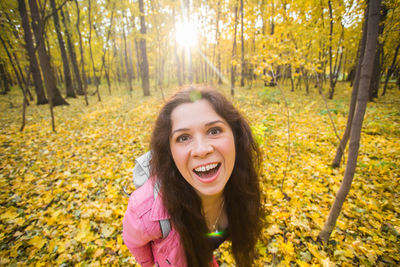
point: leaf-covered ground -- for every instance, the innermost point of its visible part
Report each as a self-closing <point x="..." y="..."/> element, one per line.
<point x="61" y="198"/>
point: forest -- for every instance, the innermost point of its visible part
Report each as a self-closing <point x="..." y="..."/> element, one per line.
<point x="81" y="82"/>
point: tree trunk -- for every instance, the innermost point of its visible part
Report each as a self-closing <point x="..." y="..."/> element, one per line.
<point x="4" y="80"/>
<point x="365" y="80"/>
<point x="144" y="65"/>
<point x="67" y="72"/>
<point x="18" y="74"/>
<point x="376" y="75"/>
<point x="84" y="78"/>
<point x="103" y="59"/>
<point x="391" y="69"/>
<point x="183" y="66"/>
<point x="291" y="78"/>
<point x="331" y="78"/>
<point x="37" y="79"/>
<point x="24" y="86"/>
<point x="354" y="94"/>
<point x="131" y="60"/>
<point x="137" y="59"/>
<point x="242" y="44"/>
<point x="72" y="53"/>
<point x="178" y="64"/>
<point x="190" y="64"/>
<point x="96" y="81"/>
<point x="9" y="79"/>
<point x="218" y="34"/>
<point x="338" y="63"/>
<point x="127" y="65"/>
<point x="263" y="30"/>
<point x="55" y="98"/>
<point x="233" y="67"/>
<point x="117" y="65"/>
<point x="159" y="69"/>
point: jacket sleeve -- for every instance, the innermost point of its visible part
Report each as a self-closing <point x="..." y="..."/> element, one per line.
<point x="136" y="235"/>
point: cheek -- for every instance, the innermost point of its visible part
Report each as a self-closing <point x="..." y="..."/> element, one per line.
<point x="227" y="148"/>
<point x="179" y="157"/>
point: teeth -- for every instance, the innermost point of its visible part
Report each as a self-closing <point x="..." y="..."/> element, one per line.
<point x="206" y="168"/>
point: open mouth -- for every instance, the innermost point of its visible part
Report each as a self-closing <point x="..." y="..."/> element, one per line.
<point x="207" y="171"/>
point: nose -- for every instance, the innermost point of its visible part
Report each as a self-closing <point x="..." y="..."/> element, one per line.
<point x="201" y="148"/>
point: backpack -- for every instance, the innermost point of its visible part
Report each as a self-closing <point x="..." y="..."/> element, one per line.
<point x="141" y="173"/>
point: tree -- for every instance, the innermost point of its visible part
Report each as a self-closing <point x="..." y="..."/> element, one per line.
<point x="390" y="41"/>
<point x="355" y="134"/>
<point x="243" y="65"/>
<point x="84" y="78"/>
<point x="334" y="69"/>
<point x="96" y="80"/>
<point x="37" y="79"/>
<point x="22" y="82"/>
<point x="187" y="14"/>
<point x="354" y="94"/>
<point x="217" y="38"/>
<point x="391" y="69"/>
<point x="55" y="98"/>
<point x="233" y="67"/>
<point x="106" y="49"/>
<point x="67" y="72"/>
<point x="5" y="84"/>
<point x="144" y="65"/>
<point x="377" y="72"/>
<point x="160" y="58"/>
<point x="72" y="53"/>
<point x="177" y="61"/>
<point x="127" y="65"/>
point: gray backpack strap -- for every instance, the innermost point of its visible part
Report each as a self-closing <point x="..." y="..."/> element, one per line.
<point x="164" y="224"/>
<point x="141" y="171"/>
<point x="165" y="227"/>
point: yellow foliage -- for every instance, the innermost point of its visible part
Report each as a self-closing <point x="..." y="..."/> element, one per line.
<point x="62" y="200"/>
<point x="38" y="242"/>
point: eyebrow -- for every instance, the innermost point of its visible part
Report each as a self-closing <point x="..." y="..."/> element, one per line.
<point x="207" y="124"/>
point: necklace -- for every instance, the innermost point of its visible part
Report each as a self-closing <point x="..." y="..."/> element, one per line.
<point x="214" y="228"/>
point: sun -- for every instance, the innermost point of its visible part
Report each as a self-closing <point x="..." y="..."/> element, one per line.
<point x="186" y="34"/>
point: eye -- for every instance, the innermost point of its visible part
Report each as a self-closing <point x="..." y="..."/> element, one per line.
<point x="214" y="131"/>
<point x="182" y="138"/>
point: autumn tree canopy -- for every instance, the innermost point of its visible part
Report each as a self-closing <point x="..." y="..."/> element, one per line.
<point x="185" y="42"/>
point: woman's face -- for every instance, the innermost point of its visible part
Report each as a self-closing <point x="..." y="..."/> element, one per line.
<point x="203" y="147"/>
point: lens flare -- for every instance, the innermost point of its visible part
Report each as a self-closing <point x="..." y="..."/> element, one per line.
<point x="186" y="34"/>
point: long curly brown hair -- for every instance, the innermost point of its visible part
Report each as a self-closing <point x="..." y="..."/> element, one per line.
<point x="241" y="193"/>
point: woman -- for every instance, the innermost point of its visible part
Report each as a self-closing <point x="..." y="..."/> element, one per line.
<point x="205" y="163"/>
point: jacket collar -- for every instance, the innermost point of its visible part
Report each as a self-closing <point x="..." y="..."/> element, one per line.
<point x="158" y="210"/>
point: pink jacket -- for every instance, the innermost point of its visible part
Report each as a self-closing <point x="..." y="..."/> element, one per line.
<point x="142" y="234"/>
